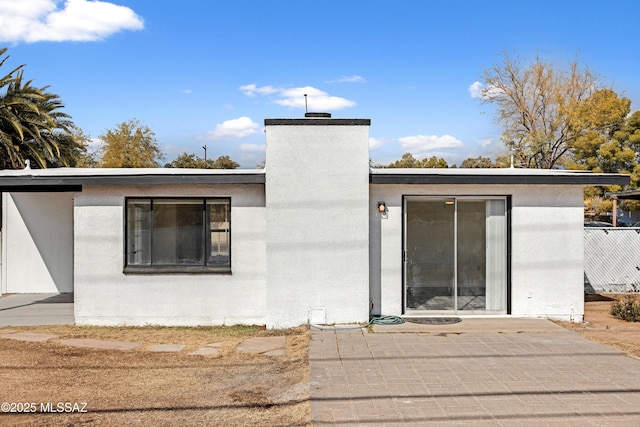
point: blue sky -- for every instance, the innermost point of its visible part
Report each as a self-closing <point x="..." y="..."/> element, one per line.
<point x="209" y="72"/>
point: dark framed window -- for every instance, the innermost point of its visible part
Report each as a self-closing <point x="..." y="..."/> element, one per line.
<point x="178" y="235"/>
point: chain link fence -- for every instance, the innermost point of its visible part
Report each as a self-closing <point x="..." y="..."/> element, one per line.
<point x="611" y="260"/>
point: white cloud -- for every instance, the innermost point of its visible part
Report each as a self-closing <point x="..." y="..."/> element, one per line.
<point x="349" y="79"/>
<point x="252" y="90"/>
<point x="78" y="20"/>
<point x="479" y="90"/>
<point x="492" y="92"/>
<point x="317" y="100"/>
<point x="232" y="129"/>
<point x="187" y="91"/>
<point x="421" y="143"/>
<point x="375" y="143"/>
<point x="94" y="145"/>
<point x="252" y="148"/>
<point x="486" y="142"/>
<point x="475" y="90"/>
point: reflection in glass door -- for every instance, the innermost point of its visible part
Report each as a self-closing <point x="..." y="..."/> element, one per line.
<point x="455" y="254"/>
<point x="430" y="254"/>
<point x="471" y="255"/>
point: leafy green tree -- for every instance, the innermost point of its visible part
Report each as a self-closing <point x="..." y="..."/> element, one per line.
<point x="543" y="109"/>
<point x="632" y="132"/>
<point x="408" y="161"/>
<point x="607" y="146"/>
<point x="224" y="162"/>
<point x="434" y="162"/>
<point x="191" y="161"/>
<point x="33" y="126"/>
<point x="594" y="200"/>
<point x="478" y="162"/>
<point x="614" y="148"/>
<point x="130" y="145"/>
<point x="86" y="158"/>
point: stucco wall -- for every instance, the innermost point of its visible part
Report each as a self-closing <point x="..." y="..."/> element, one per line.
<point x="37" y="243"/>
<point x="548" y="253"/>
<point x="104" y="295"/>
<point x="318" y="227"/>
<point x="547" y="247"/>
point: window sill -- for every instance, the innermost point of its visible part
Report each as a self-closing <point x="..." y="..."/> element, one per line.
<point x="176" y="269"/>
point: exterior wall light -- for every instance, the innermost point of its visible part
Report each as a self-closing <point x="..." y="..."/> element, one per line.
<point x="382" y="207"/>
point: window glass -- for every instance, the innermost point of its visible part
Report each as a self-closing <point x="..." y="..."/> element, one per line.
<point x="139" y="232"/>
<point x="219" y="232"/>
<point x="456" y="254"/>
<point x="178" y="232"/>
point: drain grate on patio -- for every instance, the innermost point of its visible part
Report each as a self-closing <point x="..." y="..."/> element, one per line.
<point x="433" y="320"/>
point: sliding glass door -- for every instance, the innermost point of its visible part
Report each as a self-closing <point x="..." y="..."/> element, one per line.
<point x="455" y="255"/>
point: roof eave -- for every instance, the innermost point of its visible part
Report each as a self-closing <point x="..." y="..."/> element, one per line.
<point x="583" y="179"/>
<point x="75" y="183"/>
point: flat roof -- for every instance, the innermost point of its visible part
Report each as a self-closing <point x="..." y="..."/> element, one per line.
<point x="493" y="176"/>
<point x="72" y="179"/>
<point x="314" y="121"/>
<point x="625" y="195"/>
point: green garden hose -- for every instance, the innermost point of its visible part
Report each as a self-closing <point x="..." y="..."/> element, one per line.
<point x="386" y="320"/>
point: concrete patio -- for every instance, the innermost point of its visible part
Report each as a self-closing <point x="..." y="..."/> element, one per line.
<point x="36" y="309"/>
<point x="478" y="372"/>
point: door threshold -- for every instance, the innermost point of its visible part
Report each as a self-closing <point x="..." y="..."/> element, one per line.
<point x="421" y="313"/>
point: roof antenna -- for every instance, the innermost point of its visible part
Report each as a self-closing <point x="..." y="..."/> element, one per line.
<point x="306" y="109"/>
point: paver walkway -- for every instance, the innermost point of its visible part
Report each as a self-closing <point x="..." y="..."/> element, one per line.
<point x="269" y="346"/>
<point x="55" y="309"/>
<point x="25" y="336"/>
<point x="478" y="372"/>
<point x="101" y="344"/>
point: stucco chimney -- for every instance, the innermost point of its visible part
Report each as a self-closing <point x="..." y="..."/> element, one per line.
<point x="317" y="200"/>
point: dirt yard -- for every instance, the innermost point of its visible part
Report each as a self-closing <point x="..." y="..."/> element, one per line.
<point x="146" y="388"/>
<point x="602" y="327"/>
<point x="167" y="389"/>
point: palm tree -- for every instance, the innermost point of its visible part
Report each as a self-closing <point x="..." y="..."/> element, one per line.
<point x="10" y="124"/>
<point x="32" y="125"/>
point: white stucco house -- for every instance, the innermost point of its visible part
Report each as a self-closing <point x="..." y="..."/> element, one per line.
<point x="318" y="236"/>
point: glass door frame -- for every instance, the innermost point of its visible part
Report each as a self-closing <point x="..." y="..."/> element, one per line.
<point x="456" y="198"/>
